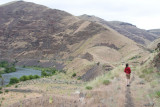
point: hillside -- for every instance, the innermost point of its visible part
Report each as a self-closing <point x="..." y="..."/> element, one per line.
<point x="131" y="31"/>
<point x="60" y="90"/>
<point x="153" y="45"/>
<point x="32" y="34"/>
<point x="155" y="31"/>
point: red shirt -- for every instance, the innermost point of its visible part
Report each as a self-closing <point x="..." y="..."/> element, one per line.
<point x="127" y="70"/>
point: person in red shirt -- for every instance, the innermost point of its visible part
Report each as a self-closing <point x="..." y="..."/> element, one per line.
<point x="127" y="70"/>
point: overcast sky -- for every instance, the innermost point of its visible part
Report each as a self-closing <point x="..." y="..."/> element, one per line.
<point x="145" y="14"/>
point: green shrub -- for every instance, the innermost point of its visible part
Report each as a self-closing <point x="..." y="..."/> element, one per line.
<point x="36" y="76"/>
<point x="74" y="74"/>
<point x="52" y="70"/>
<point x="88" y="87"/>
<point x="44" y="73"/>
<point x="4" y="64"/>
<point x="13" y="80"/>
<point x="1" y="92"/>
<point x="27" y="78"/>
<point x="50" y="100"/>
<point x="6" y="91"/>
<point x="1" y="72"/>
<point x="158" y="94"/>
<point x="16" y="86"/>
<point x="24" y="78"/>
<point x="8" y="85"/>
<point x="62" y="71"/>
<point x="106" y="82"/>
<point x="31" y="77"/>
<point x="0" y="88"/>
<point x="79" y="78"/>
<point x="10" y="69"/>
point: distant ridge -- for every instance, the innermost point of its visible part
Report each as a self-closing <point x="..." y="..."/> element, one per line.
<point x="131" y="31"/>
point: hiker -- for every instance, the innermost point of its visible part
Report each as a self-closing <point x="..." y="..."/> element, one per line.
<point x="127" y="70"/>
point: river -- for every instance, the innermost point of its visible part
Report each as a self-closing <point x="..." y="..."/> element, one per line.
<point x="19" y="72"/>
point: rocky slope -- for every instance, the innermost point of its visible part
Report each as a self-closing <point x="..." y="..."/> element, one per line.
<point x="140" y="36"/>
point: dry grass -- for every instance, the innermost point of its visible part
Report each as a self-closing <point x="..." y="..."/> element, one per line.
<point x="60" y="84"/>
<point x="109" y="76"/>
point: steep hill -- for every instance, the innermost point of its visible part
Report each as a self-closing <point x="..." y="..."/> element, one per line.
<point x="131" y="31"/>
<point x="32" y="34"/>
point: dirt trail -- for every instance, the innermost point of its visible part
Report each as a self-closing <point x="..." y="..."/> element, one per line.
<point x="128" y="96"/>
<point x="117" y="94"/>
<point x="137" y="95"/>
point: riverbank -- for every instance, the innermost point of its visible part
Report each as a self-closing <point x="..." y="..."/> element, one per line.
<point x="19" y="73"/>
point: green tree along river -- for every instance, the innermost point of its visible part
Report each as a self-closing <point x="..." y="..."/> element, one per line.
<point x="19" y="73"/>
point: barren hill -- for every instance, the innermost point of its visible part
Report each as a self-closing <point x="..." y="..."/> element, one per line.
<point x="131" y="31"/>
<point x="33" y="34"/>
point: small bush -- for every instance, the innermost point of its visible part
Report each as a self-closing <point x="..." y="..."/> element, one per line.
<point x="158" y="94"/>
<point x="36" y="76"/>
<point x="10" y="69"/>
<point x="16" y="86"/>
<point x="14" y="80"/>
<point x="1" y="92"/>
<point x="88" y="87"/>
<point x="0" y="88"/>
<point x="50" y="100"/>
<point x="4" y="64"/>
<point x="106" y="82"/>
<point x="31" y="77"/>
<point x="62" y="71"/>
<point x="8" y="85"/>
<point x="6" y="91"/>
<point x="79" y="78"/>
<point x="24" y="78"/>
<point x="52" y="70"/>
<point x="44" y="73"/>
<point x="74" y="74"/>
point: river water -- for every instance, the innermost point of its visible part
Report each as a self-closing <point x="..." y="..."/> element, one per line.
<point x="19" y="72"/>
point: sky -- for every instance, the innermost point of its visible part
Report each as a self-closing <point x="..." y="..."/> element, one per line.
<point x="145" y="14"/>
